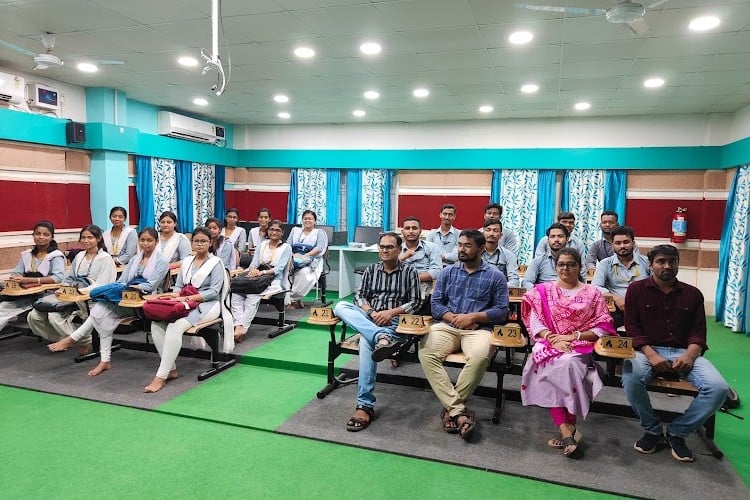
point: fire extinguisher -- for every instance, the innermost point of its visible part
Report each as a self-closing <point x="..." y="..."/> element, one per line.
<point x="679" y="225"/>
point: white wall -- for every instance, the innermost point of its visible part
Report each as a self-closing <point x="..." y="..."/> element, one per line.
<point x="625" y="131"/>
<point x="72" y="97"/>
<point x="740" y="124"/>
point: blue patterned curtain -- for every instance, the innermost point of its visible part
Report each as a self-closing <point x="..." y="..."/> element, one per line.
<point x="184" y="195"/>
<point x="219" y="194"/>
<point x="291" y="202"/>
<point x="496" y="185"/>
<point x="374" y="185"/>
<point x="545" y="203"/>
<point x="583" y="194"/>
<point x="144" y="189"/>
<point x="615" y="191"/>
<point x="164" y="186"/>
<point x="732" y="299"/>
<point x="519" y="200"/>
<point x="311" y="193"/>
<point x="387" y="184"/>
<point x="353" y="201"/>
<point x="333" y="185"/>
<point x="203" y="194"/>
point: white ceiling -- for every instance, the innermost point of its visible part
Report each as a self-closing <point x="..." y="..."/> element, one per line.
<point x="456" y="48"/>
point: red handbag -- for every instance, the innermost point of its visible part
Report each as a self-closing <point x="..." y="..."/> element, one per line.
<point x="170" y="310"/>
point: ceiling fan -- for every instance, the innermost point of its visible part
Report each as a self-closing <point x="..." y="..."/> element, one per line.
<point x="48" y="59"/>
<point x="625" y="11"/>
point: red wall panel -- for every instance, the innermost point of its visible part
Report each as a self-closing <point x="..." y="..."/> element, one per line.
<point x="469" y="209"/>
<point x="653" y="218"/>
<point x="134" y="213"/>
<point x="248" y="203"/>
<point x="25" y="203"/>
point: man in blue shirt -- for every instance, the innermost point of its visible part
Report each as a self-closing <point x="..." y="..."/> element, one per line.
<point x="469" y="298"/>
<point x="615" y="273"/>
<point x="422" y="255"/>
<point x="508" y="240"/>
<point x="446" y="236"/>
<point x="502" y="258"/>
<point x="542" y="268"/>
<point x="567" y="219"/>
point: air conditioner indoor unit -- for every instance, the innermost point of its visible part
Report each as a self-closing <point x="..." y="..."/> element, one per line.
<point x="184" y="127"/>
<point x="12" y="88"/>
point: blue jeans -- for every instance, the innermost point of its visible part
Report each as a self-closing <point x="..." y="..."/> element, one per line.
<point x="712" y="391"/>
<point x="370" y="333"/>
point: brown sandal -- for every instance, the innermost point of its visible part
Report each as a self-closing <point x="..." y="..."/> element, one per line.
<point x="465" y="427"/>
<point x="356" y="424"/>
<point x="449" y="423"/>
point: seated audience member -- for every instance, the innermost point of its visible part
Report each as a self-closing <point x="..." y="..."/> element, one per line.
<point x="91" y="268"/>
<point x="220" y="246"/>
<point x="567" y="219"/>
<point x="42" y="265"/>
<point x="120" y="241"/>
<point x="234" y="233"/>
<point x="508" y="241"/>
<point x="502" y="258"/>
<point x="309" y="245"/>
<point x="206" y="273"/>
<point x="259" y="233"/>
<point x="667" y="321"/>
<point x="446" y="236"/>
<point x="274" y="256"/>
<point x="173" y="246"/>
<point x="388" y="288"/>
<point x="469" y="298"/>
<point x="542" y="268"/>
<point x="615" y="273"/>
<point x="601" y="249"/>
<point x="424" y="256"/>
<point x="564" y="318"/>
<point x="145" y="272"/>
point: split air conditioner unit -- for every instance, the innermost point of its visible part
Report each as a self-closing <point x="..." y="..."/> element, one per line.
<point x="184" y="127"/>
<point x="12" y="89"/>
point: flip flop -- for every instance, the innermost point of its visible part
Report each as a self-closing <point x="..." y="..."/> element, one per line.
<point x="573" y="442"/>
<point x="356" y="424"/>
<point x="558" y="444"/>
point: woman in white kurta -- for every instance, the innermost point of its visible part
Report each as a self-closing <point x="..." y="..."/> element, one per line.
<point x="173" y="246"/>
<point x="234" y="233"/>
<point x="308" y="245"/>
<point x="94" y="266"/>
<point x="42" y="265"/>
<point x="221" y="246"/>
<point x="272" y="252"/>
<point x="206" y="273"/>
<point x="120" y="241"/>
<point x="259" y="233"/>
<point x="148" y="268"/>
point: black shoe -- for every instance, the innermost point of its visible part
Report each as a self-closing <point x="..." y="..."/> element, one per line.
<point x="680" y="451"/>
<point x="385" y="351"/>
<point x="649" y="443"/>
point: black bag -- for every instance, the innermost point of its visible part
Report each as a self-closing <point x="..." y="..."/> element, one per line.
<point x="244" y="284"/>
<point x="51" y="304"/>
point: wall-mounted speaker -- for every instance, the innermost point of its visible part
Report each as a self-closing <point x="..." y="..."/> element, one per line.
<point x="75" y="132"/>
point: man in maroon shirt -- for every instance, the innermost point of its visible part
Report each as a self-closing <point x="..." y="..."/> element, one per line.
<point x="667" y="322"/>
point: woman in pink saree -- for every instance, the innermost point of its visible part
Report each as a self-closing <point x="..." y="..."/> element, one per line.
<point x="564" y="318"/>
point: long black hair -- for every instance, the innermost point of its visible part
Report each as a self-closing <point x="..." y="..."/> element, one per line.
<point x="52" y="243"/>
<point x="205" y="232"/>
<point x="96" y="231"/>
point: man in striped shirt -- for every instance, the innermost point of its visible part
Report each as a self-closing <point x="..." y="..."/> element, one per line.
<point x="388" y="288"/>
<point x="469" y="298"/>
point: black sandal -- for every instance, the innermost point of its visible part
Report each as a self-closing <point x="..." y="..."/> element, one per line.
<point x="465" y="427"/>
<point x="449" y="423"/>
<point x="569" y="441"/>
<point x="356" y="424"/>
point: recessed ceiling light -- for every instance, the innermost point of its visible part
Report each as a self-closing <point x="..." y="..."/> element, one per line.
<point x="284" y="115"/>
<point x="359" y="113"/>
<point x="304" y="52"/>
<point x="199" y="101"/>
<point x="372" y="94"/>
<point x="281" y="98"/>
<point x="188" y="61"/>
<point x="653" y="83"/>
<point x="529" y="88"/>
<point x="420" y="92"/>
<point x="87" y="67"/>
<point x="704" y="23"/>
<point x="582" y="106"/>
<point x="370" y="48"/>
<point x="520" y="37"/>
<point x="486" y="109"/>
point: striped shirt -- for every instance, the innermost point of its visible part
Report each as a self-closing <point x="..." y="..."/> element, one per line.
<point x="459" y="292"/>
<point x="382" y="290"/>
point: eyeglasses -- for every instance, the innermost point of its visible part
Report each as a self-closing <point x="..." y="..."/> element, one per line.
<point x="201" y="242"/>
<point x="566" y="265"/>
<point x="387" y="248"/>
